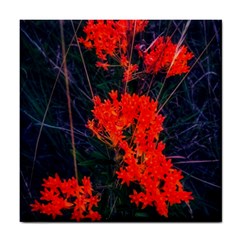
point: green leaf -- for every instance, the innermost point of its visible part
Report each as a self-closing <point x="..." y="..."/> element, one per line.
<point x="97" y="155"/>
<point x="86" y="163"/>
<point x="141" y="214"/>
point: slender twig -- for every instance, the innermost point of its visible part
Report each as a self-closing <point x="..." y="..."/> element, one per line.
<point x="160" y="55"/>
<point x="186" y="74"/>
<point x="84" y="65"/>
<point x="53" y="127"/>
<point x="47" y="107"/>
<point x="130" y="58"/>
<point x="177" y="52"/>
<point x="150" y="84"/>
<point x="199" y="179"/>
<point x="113" y="206"/>
<point x="25" y="182"/>
<point x="43" y="52"/>
<point x="204" y="75"/>
<point x="68" y="99"/>
<point x="196" y="161"/>
<point x="176" y="157"/>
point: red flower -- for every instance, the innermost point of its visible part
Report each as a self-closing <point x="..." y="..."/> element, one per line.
<point x="77" y="215"/>
<point x="102" y="65"/>
<point x="59" y="195"/>
<point x="133" y="125"/>
<point x="136" y="197"/>
<point x="129" y="71"/>
<point x="70" y="187"/>
<point x="166" y="57"/>
<point x="51" y="209"/>
<point x="125" y="176"/>
<point x="52" y="182"/>
<point x="36" y="206"/>
<point x="49" y="195"/>
<point x="93" y="201"/>
<point x="80" y="203"/>
<point x="111" y="39"/>
<point x="95" y="216"/>
<point x="147" y="200"/>
<point x="161" y="204"/>
<point x="87" y="185"/>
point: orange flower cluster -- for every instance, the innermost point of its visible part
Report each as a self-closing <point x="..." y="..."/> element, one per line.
<point x="165" y="56"/>
<point x="132" y="125"/>
<point x="67" y="194"/>
<point x="111" y="38"/>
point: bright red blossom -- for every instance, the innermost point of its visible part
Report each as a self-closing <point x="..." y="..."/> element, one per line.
<point x="136" y="197"/>
<point x="111" y="39"/>
<point x="103" y="65"/>
<point x="129" y="71"/>
<point x="133" y="125"/>
<point x="167" y="57"/>
<point x="67" y="194"/>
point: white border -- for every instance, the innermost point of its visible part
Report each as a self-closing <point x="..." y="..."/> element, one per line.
<point x="12" y="11"/>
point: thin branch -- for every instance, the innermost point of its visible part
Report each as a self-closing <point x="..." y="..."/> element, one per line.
<point x="177" y="52"/>
<point x="186" y="74"/>
<point x="26" y="185"/>
<point x="196" y="161"/>
<point x="84" y="65"/>
<point x="130" y="58"/>
<point x="68" y="99"/>
<point x="199" y="179"/>
<point x="48" y="104"/>
<point x="52" y="126"/>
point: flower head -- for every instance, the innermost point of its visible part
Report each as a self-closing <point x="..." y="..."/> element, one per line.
<point x="111" y="40"/>
<point x="67" y="194"/>
<point x="132" y="123"/>
<point x="167" y="57"/>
